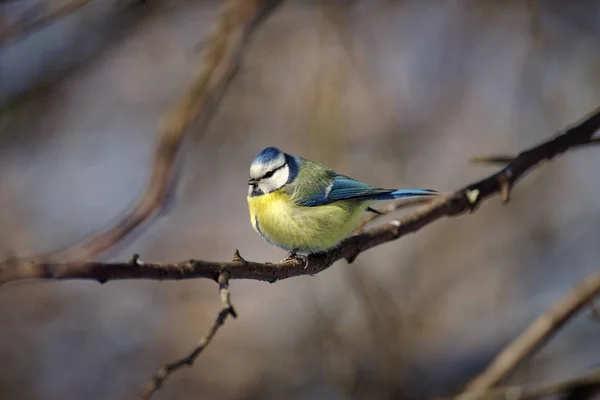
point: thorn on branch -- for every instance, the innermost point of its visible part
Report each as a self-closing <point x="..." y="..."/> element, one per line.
<point x="352" y="257"/>
<point x="237" y="257"/>
<point x="135" y="260"/>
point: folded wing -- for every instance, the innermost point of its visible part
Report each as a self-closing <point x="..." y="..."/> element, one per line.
<point x="345" y="188"/>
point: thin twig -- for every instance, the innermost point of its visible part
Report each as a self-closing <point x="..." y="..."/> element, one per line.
<point x="226" y="310"/>
<point x="41" y="17"/>
<point x="460" y="202"/>
<point x="501" y="159"/>
<point x="218" y="65"/>
<point x="589" y="383"/>
<point x="537" y="334"/>
<point x="504" y="159"/>
<point x="390" y="208"/>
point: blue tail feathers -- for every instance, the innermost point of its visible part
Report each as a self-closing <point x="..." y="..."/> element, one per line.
<point x="404" y="193"/>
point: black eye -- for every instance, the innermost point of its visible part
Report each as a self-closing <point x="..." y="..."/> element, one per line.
<point x="269" y="174"/>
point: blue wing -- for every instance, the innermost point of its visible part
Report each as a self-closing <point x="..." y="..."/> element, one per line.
<point x="344" y="188"/>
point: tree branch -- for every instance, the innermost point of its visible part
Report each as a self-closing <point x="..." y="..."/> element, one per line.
<point x="505" y="159"/>
<point x="226" y="310"/>
<point x="219" y="63"/>
<point x="537" y="334"/>
<point x="42" y="15"/>
<point x="588" y="383"/>
<point x="464" y="200"/>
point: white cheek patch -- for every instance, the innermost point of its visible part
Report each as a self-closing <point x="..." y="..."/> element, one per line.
<point x="278" y="180"/>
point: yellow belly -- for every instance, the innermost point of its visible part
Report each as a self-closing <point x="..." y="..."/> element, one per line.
<point x="305" y="229"/>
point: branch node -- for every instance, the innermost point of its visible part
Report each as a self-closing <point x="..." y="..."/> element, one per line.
<point x="225" y="295"/>
<point x="223" y="279"/>
<point x="232" y="312"/>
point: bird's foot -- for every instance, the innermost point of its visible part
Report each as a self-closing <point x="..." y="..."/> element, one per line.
<point x="293" y="256"/>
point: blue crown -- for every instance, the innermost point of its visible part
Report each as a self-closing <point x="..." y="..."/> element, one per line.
<point x="267" y="155"/>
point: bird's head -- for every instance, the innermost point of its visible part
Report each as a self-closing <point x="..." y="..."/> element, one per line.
<point x="270" y="170"/>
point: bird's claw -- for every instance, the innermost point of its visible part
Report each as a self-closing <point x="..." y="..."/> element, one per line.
<point x="293" y="256"/>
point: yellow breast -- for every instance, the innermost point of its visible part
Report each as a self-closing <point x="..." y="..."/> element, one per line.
<point x="307" y="229"/>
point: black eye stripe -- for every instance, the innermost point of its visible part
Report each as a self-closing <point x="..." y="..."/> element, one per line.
<point x="272" y="172"/>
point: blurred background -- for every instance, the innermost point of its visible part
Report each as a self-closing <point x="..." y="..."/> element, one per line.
<point x="394" y="93"/>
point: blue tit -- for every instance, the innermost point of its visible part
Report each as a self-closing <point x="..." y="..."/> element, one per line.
<point x="305" y="207"/>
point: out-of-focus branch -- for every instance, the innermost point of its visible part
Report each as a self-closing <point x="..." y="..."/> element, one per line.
<point x="340" y="16"/>
<point x="588" y="384"/>
<point x="464" y="200"/>
<point x="226" y="310"/>
<point x="595" y="310"/>
<point x="537" y="334"/>
<point x="218" y="65"/>
<point x="43" y="14"/>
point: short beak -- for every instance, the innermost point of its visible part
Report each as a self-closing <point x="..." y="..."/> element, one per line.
<point x="252" y="182"/>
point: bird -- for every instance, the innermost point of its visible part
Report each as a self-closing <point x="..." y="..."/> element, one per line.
<point x="304" y="207"/>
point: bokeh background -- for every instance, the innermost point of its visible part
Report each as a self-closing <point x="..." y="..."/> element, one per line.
<point x="395" y="93"/>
